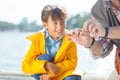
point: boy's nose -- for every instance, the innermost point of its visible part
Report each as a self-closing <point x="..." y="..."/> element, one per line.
<point x="59" y="26"/>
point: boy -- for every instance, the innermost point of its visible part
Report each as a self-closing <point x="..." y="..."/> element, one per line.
<point x="51" y="56"/>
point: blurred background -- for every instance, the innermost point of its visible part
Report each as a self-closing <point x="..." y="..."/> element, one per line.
<point x="20" y="18"/>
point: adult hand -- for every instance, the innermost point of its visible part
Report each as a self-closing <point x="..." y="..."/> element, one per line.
<point x="80" y="37"/>
<point x="95" y="28"/>
<point x="52" y="68"/>
<point x="44" y="77"/>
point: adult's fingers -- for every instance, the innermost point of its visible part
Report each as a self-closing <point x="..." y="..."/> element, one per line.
<point x="91" y="27"/>
<point x="86" y="25"/>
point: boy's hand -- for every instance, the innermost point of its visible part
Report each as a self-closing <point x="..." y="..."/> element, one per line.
<point x="52" y="68"/>
<point x="44" y="77"/>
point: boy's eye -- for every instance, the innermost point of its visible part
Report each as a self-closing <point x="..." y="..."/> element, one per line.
<point x="55" y="22"/>
<point x="62" y="22"/>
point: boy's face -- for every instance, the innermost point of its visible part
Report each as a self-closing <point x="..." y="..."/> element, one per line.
<point x="55" y="28"/>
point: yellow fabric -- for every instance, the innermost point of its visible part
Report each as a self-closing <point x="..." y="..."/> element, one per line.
<point x="65" y="59"/>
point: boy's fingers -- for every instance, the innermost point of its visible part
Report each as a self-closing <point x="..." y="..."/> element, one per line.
<point x="41" y="78"/>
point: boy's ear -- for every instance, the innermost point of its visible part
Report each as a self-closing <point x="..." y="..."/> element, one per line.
<point x="44" y="24"/>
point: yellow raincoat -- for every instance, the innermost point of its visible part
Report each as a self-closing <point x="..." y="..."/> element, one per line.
<point x="65" y="59"/>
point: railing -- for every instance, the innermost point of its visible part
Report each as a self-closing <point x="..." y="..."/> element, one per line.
<point x="20" y="76"/>
<point x="14" y="76"/>
<point x="93" y="77"/>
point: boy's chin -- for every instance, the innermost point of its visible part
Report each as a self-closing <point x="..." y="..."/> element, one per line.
<point x="58" y="35"/>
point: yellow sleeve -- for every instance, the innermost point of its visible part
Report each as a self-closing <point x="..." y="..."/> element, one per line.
<point x="30" y="63"/>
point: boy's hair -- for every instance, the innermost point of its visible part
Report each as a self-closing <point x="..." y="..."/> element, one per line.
<point x="55" y="11"/>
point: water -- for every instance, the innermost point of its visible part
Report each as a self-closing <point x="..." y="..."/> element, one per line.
<point x="13" y="47"/>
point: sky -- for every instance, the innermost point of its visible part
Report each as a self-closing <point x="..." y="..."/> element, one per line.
<point x="14" y="10"/>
